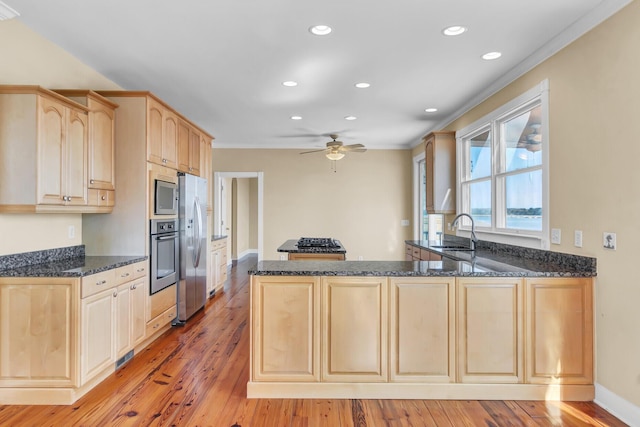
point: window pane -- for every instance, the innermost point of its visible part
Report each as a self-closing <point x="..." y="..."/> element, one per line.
<point x="522" y="140"/>
<point x="480" y="155"/>
<point x="480" y="201"/>
<point x="524" y="201"/>
<point x="424" y="217"/>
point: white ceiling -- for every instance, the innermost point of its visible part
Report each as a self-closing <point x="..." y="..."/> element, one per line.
<point x="221" y="62"/>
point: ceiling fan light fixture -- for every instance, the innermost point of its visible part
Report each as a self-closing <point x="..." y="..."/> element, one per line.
<point x="454" y="30"/>
<point x="320" y="30"/>
<point x="362" y="85"/>
<point x="296" y="117"/>
<point x="350" y="118"/>
<point x="490" y="56"/>
<point x="289" y="83"/>
<point x="335" y="156"/>
<point x="431" y="110"/>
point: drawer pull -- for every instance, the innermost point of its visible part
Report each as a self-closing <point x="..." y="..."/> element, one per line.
<point x="92" y="182"/>
<point x="104" y="197"/>
<point x="140" y="270"/>
<point x="102" y="282"/>
<point x="124" y="275"/>
<point x="115" y="294"/>
<point x="156" y="326"/>
<point x="132" y="287"/>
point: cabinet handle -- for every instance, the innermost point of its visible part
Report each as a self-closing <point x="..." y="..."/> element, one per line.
<point x="190" y="169"/>
<point x="92" y="181"/>
<point x="104" y="197"/>
<point x="102" y="282"/>
<point x="164" y="160"/>
<point x="140" y="270"/>
<point x="115" y="294"/>
<point x="124" y="275"/>
<point x="156" y="326"/>
<point x="132" y="287"/>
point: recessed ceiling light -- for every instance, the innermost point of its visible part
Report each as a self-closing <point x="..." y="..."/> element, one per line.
<point x="6" y="12"/>
<point x="454" y="30"/>
<point x="350" y="118"/>
<point x="290" y="83"/>
<point x="431" y="110"/>
<point x="296" y="117"/>
<point x="362" y="85"/>
<point x="491" y="55"/>
<point x="320" y="30"/>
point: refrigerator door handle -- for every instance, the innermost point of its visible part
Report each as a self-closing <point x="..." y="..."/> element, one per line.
<point x="198" y="235"/>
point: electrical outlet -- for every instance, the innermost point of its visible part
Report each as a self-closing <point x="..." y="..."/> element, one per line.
<point x="577" y="238"/>
<point x="71" y="231"/>
<point x="283" y="258"/>
<point x="556" y="236"/>
<point x="404" y="222"/>
<point x="609" y="240"/>
<point x="360" y="258"/>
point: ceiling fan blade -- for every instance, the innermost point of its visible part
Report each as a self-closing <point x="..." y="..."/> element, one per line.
<point x="358" y="150"/>
<point x="314" y="151"/>
<point x="352" y="147"/>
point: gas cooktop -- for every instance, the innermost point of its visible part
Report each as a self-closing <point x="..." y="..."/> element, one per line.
<point x="317" y="242"/>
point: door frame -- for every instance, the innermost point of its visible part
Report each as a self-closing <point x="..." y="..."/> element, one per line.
<point x="217" y="214"/>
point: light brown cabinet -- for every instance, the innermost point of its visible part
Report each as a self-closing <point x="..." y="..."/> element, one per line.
<point x="440" y="168"/>
<point x="286" y="325"/>
<point x="414" y="253"/>
<point x="44" y="143"/>
<point x="98" y="331"/>
<point x="354" y="329"/>
<point x="559" y="319"/>
<point x="100" y="148"/>
<point x="188" y="149"/>
<point x="315" y="257"/>
<point x="161" y="310"/>
<point x="422" y="329"/>
<point x="162" y="134"/>
<point x="490" y="330"/>
<point x="218" y="266"/>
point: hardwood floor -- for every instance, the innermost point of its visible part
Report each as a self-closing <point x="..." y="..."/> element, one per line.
<point x="196" y="375"/>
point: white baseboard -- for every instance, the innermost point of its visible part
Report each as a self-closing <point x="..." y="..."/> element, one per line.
<point x="247" y="252"/>
<point x="621" y="408"/>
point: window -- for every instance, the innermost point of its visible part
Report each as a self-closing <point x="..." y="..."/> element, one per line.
<point x="429" y="227"/>
<point x="502" y="170"/>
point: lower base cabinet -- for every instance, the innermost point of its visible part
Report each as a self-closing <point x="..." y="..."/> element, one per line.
<point x="453" y="338"/>
<point x="218" y="266"/>
<point x="60" y="336"/>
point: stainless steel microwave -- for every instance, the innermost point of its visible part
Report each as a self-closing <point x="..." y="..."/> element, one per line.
<point x="166" y="198"/>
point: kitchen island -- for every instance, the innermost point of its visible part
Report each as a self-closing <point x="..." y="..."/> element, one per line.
<point x="487" y="325"/>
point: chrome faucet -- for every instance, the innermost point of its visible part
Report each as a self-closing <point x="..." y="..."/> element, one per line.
<point x="474" y="239"/>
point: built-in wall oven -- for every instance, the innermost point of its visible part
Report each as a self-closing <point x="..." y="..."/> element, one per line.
<point x="165" y="246"/>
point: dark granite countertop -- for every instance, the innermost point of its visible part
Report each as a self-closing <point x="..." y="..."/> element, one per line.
<point x="215" y="237"/>
<point x="490" y="260"/>
<point x="72" y="267"/>
<point x="61" y="262"/>
<point x="291" y="246"/>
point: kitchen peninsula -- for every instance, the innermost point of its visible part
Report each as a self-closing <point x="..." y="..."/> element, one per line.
<point x="314" y="248"/>
<point x="500" y="323"/>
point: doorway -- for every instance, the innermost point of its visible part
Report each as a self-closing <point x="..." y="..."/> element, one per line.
<point x="230" y="214"/>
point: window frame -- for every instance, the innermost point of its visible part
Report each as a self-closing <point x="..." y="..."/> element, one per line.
<point x="538" y="95"/>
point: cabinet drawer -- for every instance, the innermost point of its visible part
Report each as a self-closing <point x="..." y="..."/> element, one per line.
<point x="98" y="282"/>
<point x="426" y="255"/>
<point x="124" y="274"/>
<point x="162" y="301"/>
<point x="161" y="320"/>
<point x="140" y="269"/>
<point x="408" y="249"/>
<point x="218" y="244"/>
<point x="101" y="197"/>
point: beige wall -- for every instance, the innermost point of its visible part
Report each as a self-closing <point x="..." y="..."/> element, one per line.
<point x="361" y="204"/>
<point x="29" y="59"/>
<point x="594" y="176"/>
<point x="241" y="209"/>
<point x="253" y="213"/>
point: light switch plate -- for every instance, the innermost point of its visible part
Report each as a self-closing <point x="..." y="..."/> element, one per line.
<point x="556" y="236"/>
<point x="577" y="238"/>
<point x="404" y="222"/>
<point x="609" y="240"/>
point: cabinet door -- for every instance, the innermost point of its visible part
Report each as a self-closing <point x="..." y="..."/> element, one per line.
<point x="215" y="271"/>
<point x="37" y="332"/>
<point x="490" y="330"/>
<point x="139" y="289"/>
<point x="101" y="146"/>
<point x="155" y="126"/>
<point x="75" y="162"/>
<point x="422" y="329"/>
<point x="170" y="140"/>
<point x="194" y="152"/>
<point x="123" y="320"/>
<point x="285" y="331"/>
<point x="51" y="131"/>
<point x="559" y="344"/>
<point x="184" y="144"/>
<point x="354" y="329"/>
<point x="429" y="166"/>
<point x="98" y="333"/>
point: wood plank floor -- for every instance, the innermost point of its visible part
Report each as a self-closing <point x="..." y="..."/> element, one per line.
<point x="197" y="375"/>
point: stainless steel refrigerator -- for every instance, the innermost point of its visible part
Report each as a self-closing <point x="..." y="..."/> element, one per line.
<point x="192" y="213"/>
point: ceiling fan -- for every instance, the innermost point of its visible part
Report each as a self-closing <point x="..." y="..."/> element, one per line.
<point x="336" y="149"/>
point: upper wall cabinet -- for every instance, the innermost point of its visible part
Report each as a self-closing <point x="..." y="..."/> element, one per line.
<point x="188" y="148"/>
<point x="162" y="134"/>
<point x="43" y="147"/>
<point x="101" y="146"/>
<point x="440" y="166"/>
